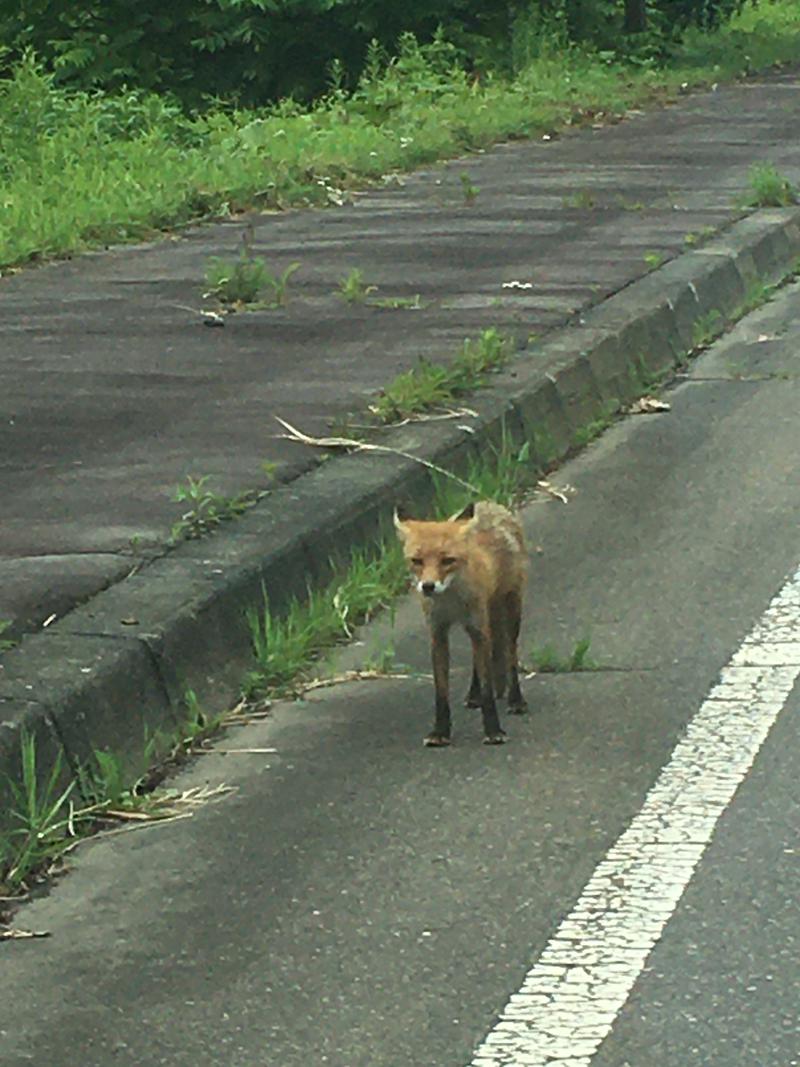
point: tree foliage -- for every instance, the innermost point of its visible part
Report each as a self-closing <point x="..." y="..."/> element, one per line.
<point x="257" y="50"/>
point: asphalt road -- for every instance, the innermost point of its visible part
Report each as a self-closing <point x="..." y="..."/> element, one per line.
<point x="361" y="901"/>
<point x="112" y="392"/>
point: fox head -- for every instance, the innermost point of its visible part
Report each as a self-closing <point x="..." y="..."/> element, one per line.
<point x="435" y="551"/>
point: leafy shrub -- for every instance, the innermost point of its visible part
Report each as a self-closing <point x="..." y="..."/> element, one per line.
<point x="254" y="51"/>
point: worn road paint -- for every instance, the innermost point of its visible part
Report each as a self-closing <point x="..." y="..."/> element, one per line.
<point x="571" y="997"/>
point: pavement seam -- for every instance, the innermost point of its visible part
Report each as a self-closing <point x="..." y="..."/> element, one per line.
<point x="188" y="605"/>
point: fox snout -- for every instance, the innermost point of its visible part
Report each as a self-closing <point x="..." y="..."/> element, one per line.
<point x="431" y="588"/>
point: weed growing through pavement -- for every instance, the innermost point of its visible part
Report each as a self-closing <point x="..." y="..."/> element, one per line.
<point x="592" y="429"/>
<point x="208" y="509"/>
<point x="381" y="660"/>
<point x="49" y="816"/>
<point x="289" y="645"/>
<point x="769" y="188"/>
<point x="697" y="237"/>
<point x="236" y="281"/>
<point x="580" y="201"/>
<point x="39" y="818"/>
<point x="240" y="282"/>
<point x="468" y="190"/>
<point x="353" y="288"/>
<point x="505" y="473"/>
<point x="760" y="293"/>
<point x="408" y="303"/>
<point x="707" y="328"/>
<point x="653" y="260"/>
<point x="6" y="642"/>
<point x="432" y="385"/>
<point x="546" y="659"/>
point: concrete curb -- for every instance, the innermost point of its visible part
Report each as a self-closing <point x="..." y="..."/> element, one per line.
<point x="120" y="665"/>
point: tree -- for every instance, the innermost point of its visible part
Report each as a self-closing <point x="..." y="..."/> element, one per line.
<point x="635" y="16"/>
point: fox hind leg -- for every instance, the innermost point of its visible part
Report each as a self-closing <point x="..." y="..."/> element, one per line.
<point x="482" y="659"/>
<point x="473" y="697"/>
<point x="516" y="701"/>
<point x="499" y="625"/>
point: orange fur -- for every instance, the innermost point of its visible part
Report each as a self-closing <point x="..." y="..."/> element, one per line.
<point x="471" y="571"/>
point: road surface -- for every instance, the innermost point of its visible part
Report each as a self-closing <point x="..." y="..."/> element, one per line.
<point x="615" y="886"/>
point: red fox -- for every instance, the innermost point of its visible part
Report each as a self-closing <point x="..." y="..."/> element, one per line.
<point x="471" y="570"/>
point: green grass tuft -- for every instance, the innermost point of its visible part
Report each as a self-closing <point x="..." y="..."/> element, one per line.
<point x="432" y="385"/>
<point x="546" y="659"/>
<point x="769" y="188"/>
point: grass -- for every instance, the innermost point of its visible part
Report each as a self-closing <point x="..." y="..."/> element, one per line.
<point x="353" y="289"/>
<point x="545" y="659"/>
<point x="697" y="237"/>
<point x="580" y="201"/>
<point x="713" y="324"/>
<point x="40" y="819"/>
<point x="289" y="647"/>
<point x="240" y="282"/>
<point x="769" y="188"/>
<point x="407" y="303"/>
<point x="592" y="429"/>
<point x="80" y="170"/>
<point x="430" y="386"/>
<point x="48" y="816"/>
<point x="653" y="260"/>
<point x="208" y="509"/>
<point x="707" y="328"/>
<point x="6" y="643"/>
<point x="468" y="190"/>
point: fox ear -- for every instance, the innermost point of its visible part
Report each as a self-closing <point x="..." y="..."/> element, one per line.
<point x="400" y="517"/>
<point x="467" y="513"/>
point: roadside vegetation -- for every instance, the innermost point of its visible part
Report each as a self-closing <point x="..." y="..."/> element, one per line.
<point x="98" y="148"/>
<point x="109" y="143"/>
<point x="51" y="815"/>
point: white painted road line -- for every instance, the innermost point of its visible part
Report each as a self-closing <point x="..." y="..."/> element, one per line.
<point x="571" y="997"/>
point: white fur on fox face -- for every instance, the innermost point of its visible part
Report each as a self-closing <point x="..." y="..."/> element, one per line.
<point x="438" y="587"/>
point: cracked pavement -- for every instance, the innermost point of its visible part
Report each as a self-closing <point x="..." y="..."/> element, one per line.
<point x="363" y="902"/>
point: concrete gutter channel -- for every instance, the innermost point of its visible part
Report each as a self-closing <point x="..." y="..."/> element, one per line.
<point x="121" y="664"/>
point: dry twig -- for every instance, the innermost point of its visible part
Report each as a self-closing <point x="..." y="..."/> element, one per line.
<point x="22" y="935"/>
<point x="365" y="446"/>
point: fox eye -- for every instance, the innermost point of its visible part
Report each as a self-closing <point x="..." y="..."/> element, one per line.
<point x="448" y="561"/>
<point x="417" y="561"/>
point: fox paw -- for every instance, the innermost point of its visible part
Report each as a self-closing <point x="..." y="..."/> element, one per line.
<point x="497" y="737"/>
<point x="520" y="708"/>
<point x="435" y="740"/>
<point x="471" y="701"/>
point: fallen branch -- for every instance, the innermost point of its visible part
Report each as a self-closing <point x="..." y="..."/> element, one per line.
<point x="238" y="751"/>
<point x="350" y="676"/>
<point x="437" y="416"/>
<point x="554" y="491"/>
<point x="366" y="446"/>
<point x="22" y="935"/>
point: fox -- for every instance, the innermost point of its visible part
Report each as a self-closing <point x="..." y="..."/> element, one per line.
<point x="471" y="570"/>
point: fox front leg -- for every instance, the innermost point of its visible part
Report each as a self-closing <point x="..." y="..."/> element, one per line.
<point x="482" y="661"/>
<point x="440" y="650"/>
